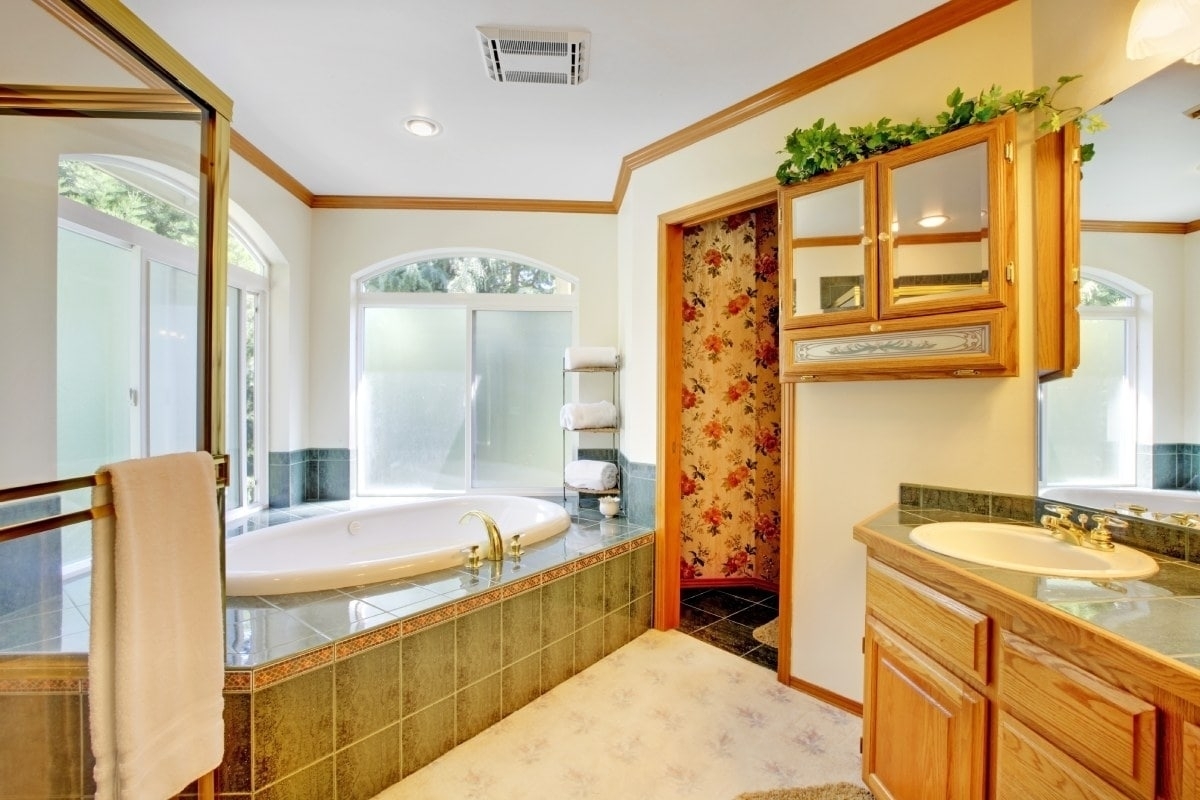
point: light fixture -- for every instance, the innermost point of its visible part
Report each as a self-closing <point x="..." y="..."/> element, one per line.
<point x="933" y="220"/>
<point x="1164" y="27"/>
<point x="422" y="126"/>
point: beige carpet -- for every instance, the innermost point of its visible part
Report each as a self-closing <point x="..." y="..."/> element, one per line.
<point x="666" y="717"/>
<point x="830" y="791"/>
<point x="768" y="634"/>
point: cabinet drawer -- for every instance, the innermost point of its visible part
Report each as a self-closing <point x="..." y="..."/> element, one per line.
<point x="1191" y="760"/>
<point x="1108" y="730"/>
<point x="956" y="633"/>
<point x="1027" y="766"/>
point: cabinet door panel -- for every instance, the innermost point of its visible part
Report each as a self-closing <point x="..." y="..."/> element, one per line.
<point x="829" y="261"/>
<point x="925" y="728"/>
<point x="945" y="212"/>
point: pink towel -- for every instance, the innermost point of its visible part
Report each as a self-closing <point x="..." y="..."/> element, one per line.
<point x="156" y="660"/>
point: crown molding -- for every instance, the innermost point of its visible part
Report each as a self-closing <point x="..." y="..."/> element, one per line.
<point x="242" y="146"/>
<point x="463" y="204"/>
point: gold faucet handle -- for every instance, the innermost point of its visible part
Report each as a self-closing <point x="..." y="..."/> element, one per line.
<point x="474" y="559"/>
<point x="1064" y="512"/>
<point x="515" y="548"/>
<point x="1101" y="536"/>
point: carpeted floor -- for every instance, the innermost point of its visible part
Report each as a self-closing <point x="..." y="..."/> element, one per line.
<point x="666" y="716"/>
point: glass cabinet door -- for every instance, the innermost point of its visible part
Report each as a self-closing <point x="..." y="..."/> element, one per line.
<point x="943" y="224"/>
<point x="829" y="263"/>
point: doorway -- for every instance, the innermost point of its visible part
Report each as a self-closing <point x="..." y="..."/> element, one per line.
<point x="726" y="513"/>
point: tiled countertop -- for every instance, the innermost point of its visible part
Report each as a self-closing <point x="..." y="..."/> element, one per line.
<point x="1161" y="612"/>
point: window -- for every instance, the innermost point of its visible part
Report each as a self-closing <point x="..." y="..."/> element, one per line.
<point x="128" y="365"/>
<point x="1089" y="422"/>
<point x="459" y="378"/>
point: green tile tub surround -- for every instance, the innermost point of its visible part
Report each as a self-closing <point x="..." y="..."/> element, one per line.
<point x="445" y="682"/>
<point x="345" y="719"/>
<point x="1172" y="541"/>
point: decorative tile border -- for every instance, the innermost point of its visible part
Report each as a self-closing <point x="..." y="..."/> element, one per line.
<point x="237" y="679"/>
<point x="41" y="685"/>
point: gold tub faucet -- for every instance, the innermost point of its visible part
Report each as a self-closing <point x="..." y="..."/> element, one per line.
<point x="495" y="542"/>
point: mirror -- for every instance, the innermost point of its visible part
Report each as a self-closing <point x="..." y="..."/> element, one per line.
<point x="939" y="226"/>
<point x="1131" y="412"/>
<point x="832" y="254"/>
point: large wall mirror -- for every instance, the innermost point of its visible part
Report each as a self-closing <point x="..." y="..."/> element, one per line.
<point x="1125" y="428"/>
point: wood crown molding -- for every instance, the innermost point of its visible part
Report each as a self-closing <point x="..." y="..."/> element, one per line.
<point x="932" y="23"/>
<point x="463" y="204"/>
<point x="1119" y="226"/>
<point x="241" y="145"/>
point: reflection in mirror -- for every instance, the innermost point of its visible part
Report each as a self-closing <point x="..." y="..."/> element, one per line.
<point x="1123" y="433"/>
<point x="939" y="226"/>
<point x="828" y="266"/>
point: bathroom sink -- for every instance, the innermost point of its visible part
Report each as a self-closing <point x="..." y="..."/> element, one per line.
<point x="1029" y="549"/>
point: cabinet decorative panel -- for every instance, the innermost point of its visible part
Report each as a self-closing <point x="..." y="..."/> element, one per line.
<point x="936" y="725"/>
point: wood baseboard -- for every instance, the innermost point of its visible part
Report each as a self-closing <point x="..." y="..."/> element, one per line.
<point x="727" y="583"/>
<point x="825" y="696"/>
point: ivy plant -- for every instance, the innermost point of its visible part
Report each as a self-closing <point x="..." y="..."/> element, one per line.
<point x="824" y="147"/>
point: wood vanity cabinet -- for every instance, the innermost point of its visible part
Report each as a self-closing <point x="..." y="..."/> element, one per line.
<point x="902" y="266"/>
<point x="1056" y="208"/>
<point x="961" y="702"/>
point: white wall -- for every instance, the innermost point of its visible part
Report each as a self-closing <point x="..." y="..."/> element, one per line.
<point x="855" y="441"/>
<point x="347" y="241"/>
<point x="1156" y="262"/>
<point x="283" y="231"/>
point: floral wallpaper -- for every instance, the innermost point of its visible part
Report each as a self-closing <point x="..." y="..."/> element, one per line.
<point x="731" y="393"/>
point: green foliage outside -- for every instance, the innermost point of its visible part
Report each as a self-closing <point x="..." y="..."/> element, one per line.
<point x="1095" y="293"/>
<point x="465" y="274"/>
<point x="88" y="184"/>
<point x="824" y="147"/>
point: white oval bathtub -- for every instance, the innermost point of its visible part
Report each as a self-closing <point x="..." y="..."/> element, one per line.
<point x="1162" y="501"/>
<point x="379" y="544"/>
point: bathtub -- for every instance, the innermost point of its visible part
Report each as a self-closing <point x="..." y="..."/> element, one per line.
<point x="379" y="544"/>
<point x="1159" y="501"/>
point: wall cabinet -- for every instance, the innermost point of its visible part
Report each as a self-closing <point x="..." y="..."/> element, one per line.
<point x="1057" y="225"/>
<point x="902" y="265"/>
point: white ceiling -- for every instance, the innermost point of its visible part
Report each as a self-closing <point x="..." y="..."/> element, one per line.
<point x="322" y="87"/>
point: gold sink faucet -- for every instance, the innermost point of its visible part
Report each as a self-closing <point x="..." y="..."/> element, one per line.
<point x="495" y="542"/>
<point x="1067" y="529"/>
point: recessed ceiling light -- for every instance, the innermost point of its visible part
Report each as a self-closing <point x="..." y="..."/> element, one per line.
<point x="422" y="126"/>
<point x="933" y="220"/>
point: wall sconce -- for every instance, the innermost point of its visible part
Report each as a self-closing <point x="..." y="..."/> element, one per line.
<point x="1164" y="27"/>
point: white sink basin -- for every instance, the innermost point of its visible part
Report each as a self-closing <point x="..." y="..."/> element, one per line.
<point x="1028" y="549"/>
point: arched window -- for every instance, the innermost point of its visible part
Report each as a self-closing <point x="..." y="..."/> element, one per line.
<point x="129" y="228"/>
<point x="1089" y="423"/>
<point x="458" y="374"/>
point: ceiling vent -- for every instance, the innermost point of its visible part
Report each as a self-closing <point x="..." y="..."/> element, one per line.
<point x="535" y="55"/>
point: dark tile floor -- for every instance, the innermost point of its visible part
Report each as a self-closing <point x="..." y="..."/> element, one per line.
<point x="726" y="617"/>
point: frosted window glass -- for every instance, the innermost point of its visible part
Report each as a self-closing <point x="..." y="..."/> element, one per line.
<point x="412" y="410"/>
<point x="173" y="338"/>
<point x="1089" y="423"/>
<point x="97" y="349"/>
<point x="517" y="392"/>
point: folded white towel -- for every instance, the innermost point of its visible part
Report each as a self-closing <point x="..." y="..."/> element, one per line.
<point x="578" y="357"/>
<point x="577" y="416"/>
<point x="597" y="475"/>
<point x="156" y="661"/>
